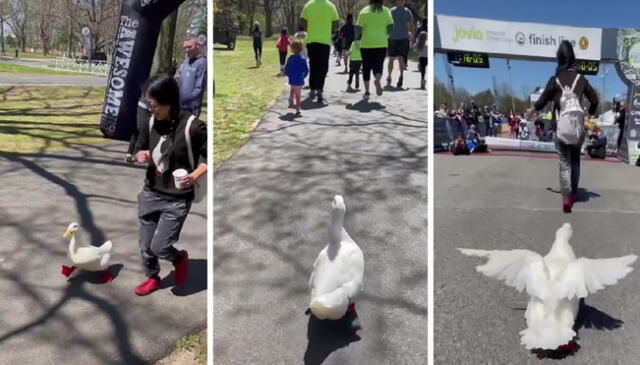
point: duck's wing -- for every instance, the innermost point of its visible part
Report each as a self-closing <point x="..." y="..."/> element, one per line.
<point x="105" y="248"/>
<point x="586" y="276"/>
<point x="520" y="269"/>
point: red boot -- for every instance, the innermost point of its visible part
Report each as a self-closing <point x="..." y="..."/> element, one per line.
<point x="148" y="286"/>
<point x="67" y="270"/>
<point x="566" y="205"/>
<point x="182" y="268"/>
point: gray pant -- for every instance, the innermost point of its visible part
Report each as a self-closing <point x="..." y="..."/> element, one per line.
<point x="569" y="167"/>
<point x="161" y="221"/>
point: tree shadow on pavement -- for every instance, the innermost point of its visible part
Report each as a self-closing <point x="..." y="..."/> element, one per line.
<point x="326" y="336"/>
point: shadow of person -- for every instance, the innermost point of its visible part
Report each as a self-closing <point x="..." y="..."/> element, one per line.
<point x="326" y="336"/>
<point x="289" y="117"/>
<point x="197" y="280"/>
<point x="588" y="317"/>
<point x="364" y="106"/>
<point x="308" y="104"/>
<point x="584" y="195"/>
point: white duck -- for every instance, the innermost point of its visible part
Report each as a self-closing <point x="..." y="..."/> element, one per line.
<point x="88" y="258"/>
<point x="555" y="283"/>
<point x="338" y="270"/>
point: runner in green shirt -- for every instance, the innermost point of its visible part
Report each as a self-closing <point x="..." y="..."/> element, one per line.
<point x="374" y="24"/>
<point x="319" y="18"/>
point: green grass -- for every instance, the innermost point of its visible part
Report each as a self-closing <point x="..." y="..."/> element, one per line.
<point x="19" y="69"/>
<point x="243" y="93"/>
<point x="42" y="119"/>
<point x="196" y="343"/>
<point x="39" y="119"/>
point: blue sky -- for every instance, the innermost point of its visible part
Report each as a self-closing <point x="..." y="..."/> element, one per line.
<point x="588" y="13"/>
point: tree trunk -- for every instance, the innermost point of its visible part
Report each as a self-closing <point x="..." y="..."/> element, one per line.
<point x="2" y="35"/>
<point x="268" y="18"/>
<point x="71" y="53"/>
<point x="164" y="50"/>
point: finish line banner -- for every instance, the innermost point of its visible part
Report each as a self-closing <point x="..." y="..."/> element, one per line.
<point x="515" y="38"/>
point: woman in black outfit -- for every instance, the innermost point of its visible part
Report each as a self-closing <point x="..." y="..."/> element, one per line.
<point x="569" y="155"/>
<point x="164" y="205"/>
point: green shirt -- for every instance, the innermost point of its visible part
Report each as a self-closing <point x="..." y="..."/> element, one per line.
<point x="374" y="27"/>
<point x="354" y="51"/>
<point x="320" y="15"/>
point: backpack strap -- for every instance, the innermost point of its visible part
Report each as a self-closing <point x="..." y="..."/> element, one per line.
<point x="187" y="137"/>
<point x="575" y="82"/>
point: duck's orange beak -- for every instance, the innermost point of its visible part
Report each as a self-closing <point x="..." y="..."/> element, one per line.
<point x="67" y="234"/>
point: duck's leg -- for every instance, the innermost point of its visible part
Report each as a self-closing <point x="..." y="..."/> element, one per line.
<point x="106" y="276"/>
<point x="571" y="346"/>
<point x="67" y="270"/>
<point x="355" y="323"/>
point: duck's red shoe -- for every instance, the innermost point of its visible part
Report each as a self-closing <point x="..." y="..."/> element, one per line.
<point x="574" y="198"/>
<point x="182" y="268"/>
<point x="566" y="205"/>
<point x="571" y="346"/>
<point x="67" y="270"/>
<point x="106" y="276"/>
<point x="352" y="307"/>
<point x="148" y="286"/>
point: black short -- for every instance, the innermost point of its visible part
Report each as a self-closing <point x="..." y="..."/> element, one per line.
<point x="347" y="44"/>
<point x="398" y="48"/>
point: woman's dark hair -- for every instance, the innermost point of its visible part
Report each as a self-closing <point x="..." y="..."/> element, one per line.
<point x="164" y="89"/>
<point x="566" y="57"/>
<point x="349" y="18"/>
<point x="376" y="4"/>
<point x="283" y="31"/>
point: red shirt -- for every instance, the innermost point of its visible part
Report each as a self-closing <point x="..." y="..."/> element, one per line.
<point x="283" y="43"/>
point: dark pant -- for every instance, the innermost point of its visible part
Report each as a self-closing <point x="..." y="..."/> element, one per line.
<point x="318" y="64"/>
<point x="569" y="167"/>
<point x="257" y="50"/>
<point x="372" y="60"/>
<point x="283" y="58"/>
<point x="354" y="70"/>
<point x="161" y="220"/>
<point x="620" y="136"/>
<point x="423" y="66"/>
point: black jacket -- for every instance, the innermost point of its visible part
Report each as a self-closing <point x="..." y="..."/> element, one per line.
<point x="179" y="157"/>
<point x="552" y="92"/>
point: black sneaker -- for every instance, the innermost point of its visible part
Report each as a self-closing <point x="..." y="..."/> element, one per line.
<point x="320" y="97"/>
<point x="399" y="85"/>
<point x="129" y="158"/>
<point x="366" y="96"/>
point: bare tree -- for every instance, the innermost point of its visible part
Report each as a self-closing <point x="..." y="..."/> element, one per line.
<point x="101" y="16"/>
<point x="248" y="7"/>
<point x="19" y="12"/>
<point x="349" y="7"/>
<point x="45" y="23"/>
<point x="291" y="12"/>
<point x="270" y="7"/>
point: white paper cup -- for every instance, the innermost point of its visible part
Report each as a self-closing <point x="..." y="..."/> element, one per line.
<point x="178" y="175"/>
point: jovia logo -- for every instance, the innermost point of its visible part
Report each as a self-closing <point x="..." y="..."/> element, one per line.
<point x="583" y="43"/>
<point x="520" y="38"/>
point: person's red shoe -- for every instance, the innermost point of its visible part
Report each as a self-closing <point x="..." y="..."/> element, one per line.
<point x="566" y="205"/>
<point x="106" y="276"/>
<point x="182" y="268"/>
<point x="574" y="198"/>
<point x="148" y="286"/>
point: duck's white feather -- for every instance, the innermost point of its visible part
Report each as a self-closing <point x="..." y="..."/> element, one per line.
<point x="554" y="283"/>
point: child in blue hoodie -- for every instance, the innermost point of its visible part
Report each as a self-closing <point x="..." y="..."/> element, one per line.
<point x="296" y="70"/>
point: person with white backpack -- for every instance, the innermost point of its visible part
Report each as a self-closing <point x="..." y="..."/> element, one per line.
<point x="566" y="89"/>
<point x="174" y="147"/>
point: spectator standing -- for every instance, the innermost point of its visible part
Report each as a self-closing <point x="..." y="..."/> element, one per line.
<point x="193" y="77"/>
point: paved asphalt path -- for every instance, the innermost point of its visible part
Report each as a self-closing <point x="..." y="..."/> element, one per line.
<point x="271" y="211"/>
<point x="501" y="202"/>
<point x="46" y="319"/>
<point x="7" y="79"/>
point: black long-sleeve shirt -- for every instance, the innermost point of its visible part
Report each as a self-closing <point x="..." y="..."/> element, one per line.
<point x="553" y="92"/>
<point x="178" y="158"/>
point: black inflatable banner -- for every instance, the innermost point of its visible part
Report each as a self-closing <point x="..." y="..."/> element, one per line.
<point x="135" y="44"/>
